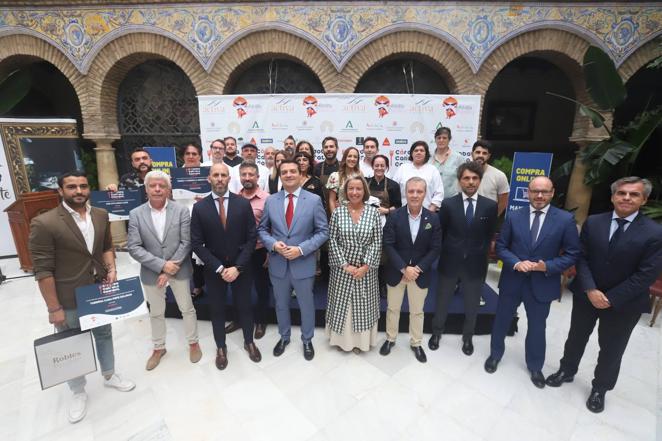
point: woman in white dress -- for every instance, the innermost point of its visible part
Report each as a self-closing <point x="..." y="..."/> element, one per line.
<point x="349" y="168"/>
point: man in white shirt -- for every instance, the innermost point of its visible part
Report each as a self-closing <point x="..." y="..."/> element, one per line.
<point x="159" y="239"/>
<point x="217" y="150"/>
<point x="494" y="184"/>
<point x="249" y="154"/>
<point x="370" y="149"/>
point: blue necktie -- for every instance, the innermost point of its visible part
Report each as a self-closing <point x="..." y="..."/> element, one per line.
<point x="617" y="234"/>
<point x="470" y="211"/>
<point x="535" y="226"/>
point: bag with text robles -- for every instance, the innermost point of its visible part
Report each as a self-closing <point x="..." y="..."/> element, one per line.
<point x="64" y="356"/>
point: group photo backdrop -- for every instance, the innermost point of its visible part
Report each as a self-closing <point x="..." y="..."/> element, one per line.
<point x="396" y="120"/>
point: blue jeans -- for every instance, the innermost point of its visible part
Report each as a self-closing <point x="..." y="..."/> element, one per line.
<point x="103" y="337"/>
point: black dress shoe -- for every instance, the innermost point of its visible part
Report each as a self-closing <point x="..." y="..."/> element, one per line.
<point x="596" y="401"/>
<point x="433" y="343"/>
<point x="260" y="330"/>
<point x="308" y="351"/>
<point x="233" y="326"/>
<point x="386" y="347"/>
<point x="558" y="378"/>
<point x="491" y="365"/>
<point x="538" y="379"/>
<point x="253" y="352"/>
<point x="221" y="359"/>
<point x="419" y="353"/>
<point x="280" y="347"/>
<point x="467" y="347"/>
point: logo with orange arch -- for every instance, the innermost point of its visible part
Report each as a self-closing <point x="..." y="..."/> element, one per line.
<point x="241" y="105"/>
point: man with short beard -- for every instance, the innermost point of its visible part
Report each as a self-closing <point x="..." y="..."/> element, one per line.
<point x="288" y="145"/>
<point x="231" y="158"/>
<point x="141" y="164"/>
<point x="494" y="184"/>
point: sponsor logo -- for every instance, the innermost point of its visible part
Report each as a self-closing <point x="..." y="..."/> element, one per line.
<point x="266" y="140"/>
<point x="401" y="141"/>
<point x="252" y="141"/>
<point x="255" y="125"/>
<point x="386" y="142"/>
<point x="354" y="105"/>
<point x="310" y="103"/>
<point x="450" y="106"/>
<point x="349" y="125"/>
<point x="382" y="103"/>
<point x="422" y="106"/>
<point x="241" y="105"/>
<point x="214" y="106"/>
<point x="359" y="140"/>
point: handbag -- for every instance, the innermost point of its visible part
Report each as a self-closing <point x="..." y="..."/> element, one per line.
<point x="64" y="356"/>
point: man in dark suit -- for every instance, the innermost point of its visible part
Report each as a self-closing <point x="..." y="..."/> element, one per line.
<point x="621" y="257"/>
<point x="468" y="221"/>
<point x="223" y="236"/>
<point x="412" y="240"/>
<point x="71" y="247"/>
<point x="536" y="245"/>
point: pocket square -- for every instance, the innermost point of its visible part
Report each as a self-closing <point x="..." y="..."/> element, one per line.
<point x="428" y="226"/>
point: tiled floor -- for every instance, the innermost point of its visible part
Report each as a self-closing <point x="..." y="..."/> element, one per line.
<point x="335" y="397"/>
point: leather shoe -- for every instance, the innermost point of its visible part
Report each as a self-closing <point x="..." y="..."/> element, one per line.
<point x="155" y="359"/>
<point x="253" y="352"/>
<point x="596" y="401"/>
<point x="233" y="326"/>
<point x="491" y="365"/>
<point x="467" y="347"/>
<point x="558" y="378"/>
<point x="260" y="330"/>
<point x="538" y="379"/>
<point x="221" y="358"/>
<point x="308" y="351"/>
<point x="386" y="347"/>
<point x="280" y="347"/>
<point x="419" y="353"/>
<point x="433" y="343"/>
<point x="194" y="352"/>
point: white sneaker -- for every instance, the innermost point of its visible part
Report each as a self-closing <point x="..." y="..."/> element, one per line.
<point x="77" y="407"/>
<point x="122" y="385"/>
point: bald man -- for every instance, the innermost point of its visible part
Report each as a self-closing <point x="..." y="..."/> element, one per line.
<point x="536" y="244"/>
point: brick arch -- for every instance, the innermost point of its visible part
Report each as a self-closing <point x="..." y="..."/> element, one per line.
<point x="640" y="58"/>
<point x="261" y="45"/>
<point x="117" y="58"/>
<point x="435" y="52"/>
<point x="17" y="49"/>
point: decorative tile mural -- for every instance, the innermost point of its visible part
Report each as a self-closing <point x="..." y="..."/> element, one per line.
<point x="339" y="30"/>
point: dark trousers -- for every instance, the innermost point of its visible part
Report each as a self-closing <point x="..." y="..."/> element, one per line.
<point x="471" y="288"/>
<point x="536" y="318"/>
<point x="614" y="332"/>
<point x="241" y="295"/>
<point x="198" y="274"/>
<point x="261" y="281"/>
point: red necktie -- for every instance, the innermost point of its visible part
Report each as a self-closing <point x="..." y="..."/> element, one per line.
<point x="289" y="213"/>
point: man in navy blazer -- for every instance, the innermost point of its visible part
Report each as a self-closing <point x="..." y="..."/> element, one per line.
<point x="536" y="245"/>
<point x="468" y="221"/>
<point x="621" y="257"/>
<point x="293" y="227"/>
<point x="412" y="240"/>
<point x="223" y="236"/>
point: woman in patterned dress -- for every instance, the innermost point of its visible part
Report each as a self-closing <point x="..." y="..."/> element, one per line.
<point x="355" y="248"/>
<point x="349" y="167"/>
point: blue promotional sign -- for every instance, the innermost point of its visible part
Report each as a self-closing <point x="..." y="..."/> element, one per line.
<point x="101" y="304"/>
<point x="526" y="166"/>
<point x="189" y="182"/>
<point x="118" y="203"/>
<point x="163" y="158"/>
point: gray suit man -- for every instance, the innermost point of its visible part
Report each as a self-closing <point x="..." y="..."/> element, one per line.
<point x="160" y="239"/>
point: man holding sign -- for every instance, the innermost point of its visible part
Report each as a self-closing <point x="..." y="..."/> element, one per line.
<point x="71" y="246"/>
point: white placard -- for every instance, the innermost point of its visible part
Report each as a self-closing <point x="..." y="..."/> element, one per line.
<point x="395" y="120"/>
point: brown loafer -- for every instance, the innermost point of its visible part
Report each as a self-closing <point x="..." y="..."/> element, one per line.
<point x="194" y="352"/>
<point x="260" y="330"/>
<point x="233" y="326"/>
<point x="221" y="359"/>
<point x="155" y="359"/>
<point x="253" y="352"/>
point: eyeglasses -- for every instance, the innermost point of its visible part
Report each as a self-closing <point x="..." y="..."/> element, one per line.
<point x="542" y="192"/>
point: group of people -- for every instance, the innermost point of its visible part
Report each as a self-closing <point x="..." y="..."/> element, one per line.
<point x="435" y="217"/>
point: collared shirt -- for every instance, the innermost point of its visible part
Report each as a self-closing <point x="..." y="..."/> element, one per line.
<point x="614" y="224"/>
<point x="473" y="198"/>
<point x="532" y="215"/>
<point x="414" y="223"/>
<point x="85" y="226"/>
<point x="159" y="219"/>
<point x="448" y="171"/>
<point x="286" y="200"/>
<point x="131" y="180"/>
<point x="366" y="169"/>
<point x="235" y="178"/>
<point x="257" y="201"/>
<point x="226" y="198"/>
<point x="434" y="193"/>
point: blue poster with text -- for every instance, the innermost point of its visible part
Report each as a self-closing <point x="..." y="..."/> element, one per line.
<point x="526" y="166"/>
<point x="163" y="158"/>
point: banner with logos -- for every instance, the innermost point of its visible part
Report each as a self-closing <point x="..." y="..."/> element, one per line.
<point x="526" y="167"/>
<point x="7" y="197"/>
<point x="396" y="120"/>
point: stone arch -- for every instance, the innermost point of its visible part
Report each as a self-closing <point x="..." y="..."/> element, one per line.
<point x="432" y="50"/>
<point x="262" y="45"/>
<point x="18" y="49"/>
<point x="640" y="58"/>
<point x="117" y="58"/>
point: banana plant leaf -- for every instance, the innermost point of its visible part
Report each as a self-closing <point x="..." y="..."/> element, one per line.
<point x="603" y="82"/>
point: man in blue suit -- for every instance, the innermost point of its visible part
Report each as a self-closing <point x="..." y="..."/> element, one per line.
<point x="223" y="236"/>
<point x="293" y="227"/>
<point x="536" y="245"/>
<point x="412" y="240"/>
<point x="621" y="257"/>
